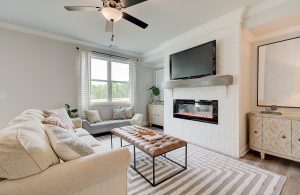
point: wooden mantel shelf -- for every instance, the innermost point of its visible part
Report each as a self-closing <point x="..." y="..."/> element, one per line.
<point x="217" y="80"/>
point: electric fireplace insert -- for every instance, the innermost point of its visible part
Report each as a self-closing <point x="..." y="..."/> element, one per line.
<point x="202" y="110"/>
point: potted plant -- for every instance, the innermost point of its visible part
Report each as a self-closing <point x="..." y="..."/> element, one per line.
<point x="155" y="93"/>
<point x="71" y="112"/>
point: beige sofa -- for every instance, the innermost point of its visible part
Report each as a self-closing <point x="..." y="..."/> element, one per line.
<point x="28" y="165"/>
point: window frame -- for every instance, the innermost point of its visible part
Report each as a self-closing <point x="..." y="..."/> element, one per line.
<point x="109" y="82"/>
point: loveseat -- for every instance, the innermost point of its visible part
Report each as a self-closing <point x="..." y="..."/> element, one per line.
<point x="29" y="165"/>
<point x="108" y="125"/>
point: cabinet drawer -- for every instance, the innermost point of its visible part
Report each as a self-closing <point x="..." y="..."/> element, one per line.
<point x="296" y="139"/>
<point x="277" y="135"/>
<point x="255" y="131"/>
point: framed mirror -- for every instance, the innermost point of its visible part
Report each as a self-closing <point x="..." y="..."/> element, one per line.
<point x="279" y="74"/>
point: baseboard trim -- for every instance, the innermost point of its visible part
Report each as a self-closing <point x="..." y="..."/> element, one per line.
<point x="244" y="151"/>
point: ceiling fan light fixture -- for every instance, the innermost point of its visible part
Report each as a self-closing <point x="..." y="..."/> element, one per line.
<point x="112" y="14"/>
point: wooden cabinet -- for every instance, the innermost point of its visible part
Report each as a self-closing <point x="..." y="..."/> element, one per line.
<point x="296" y="139"/>
<point x="255" y="131"/>
<point x="278" y="135"/>
<point x="156" y="114"/>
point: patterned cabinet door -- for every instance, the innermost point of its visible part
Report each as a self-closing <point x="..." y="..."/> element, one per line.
<point x="255" y="132"/>
<point x="296" y="139"/>
<point x="277" y="135"/>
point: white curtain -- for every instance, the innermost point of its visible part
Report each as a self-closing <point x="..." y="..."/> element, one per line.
<point x="83" y="82"/>
<point x="132" y="85"/>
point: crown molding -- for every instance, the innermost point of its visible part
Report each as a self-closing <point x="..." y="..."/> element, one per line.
<point x="262" y="7"/>
<point x="286" y="31"/>
<point x="66" y="39"/>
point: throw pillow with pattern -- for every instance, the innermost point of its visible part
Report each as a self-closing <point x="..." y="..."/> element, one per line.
<point x="119" y="114"/>
<point x="129" y="111"/>
<point x="57" y="120"/>
<point x="67" y="145"/>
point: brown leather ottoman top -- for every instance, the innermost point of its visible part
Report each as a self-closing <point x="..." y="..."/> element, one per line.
<point x="132" y="135"/>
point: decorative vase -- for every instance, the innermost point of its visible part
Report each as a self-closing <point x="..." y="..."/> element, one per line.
<point x="154" y="99"/>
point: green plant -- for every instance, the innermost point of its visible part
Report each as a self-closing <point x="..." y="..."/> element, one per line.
<point x="71" y="112"/>
<point x="155" y="90"/>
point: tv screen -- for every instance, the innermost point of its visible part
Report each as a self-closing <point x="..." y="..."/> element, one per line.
<point x="196" y="62"/>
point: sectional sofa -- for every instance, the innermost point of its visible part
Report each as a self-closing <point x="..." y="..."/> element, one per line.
<point x="28" y="164"/>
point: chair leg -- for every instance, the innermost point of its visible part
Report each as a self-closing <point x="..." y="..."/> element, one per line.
<point x="153" y="158"/>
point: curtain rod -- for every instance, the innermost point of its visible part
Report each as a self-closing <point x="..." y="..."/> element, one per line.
<point x="111" y="55"/>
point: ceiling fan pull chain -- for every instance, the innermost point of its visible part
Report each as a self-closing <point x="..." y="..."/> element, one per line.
<point x="112" y="32"/>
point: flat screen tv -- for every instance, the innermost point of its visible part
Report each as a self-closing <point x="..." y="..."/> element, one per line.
<point x="195" y="62"/>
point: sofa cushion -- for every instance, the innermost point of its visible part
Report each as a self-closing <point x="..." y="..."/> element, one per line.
<point x="104" y="126"/>
<point x="90" y="140"/>
<point x="67" y="145"/>
<point x="25" y="150"/>
<point x="62" y="112"/>
<point x="119" y="114"/>
<point x="38" y="114"/>
<point x="93" y="116"/>
<point x="81" y="132"/>
<point x="129" y="112"/>
<point x="22" y="119"/>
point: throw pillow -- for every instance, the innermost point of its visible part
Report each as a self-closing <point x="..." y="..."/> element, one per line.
<point x="119" y="114"/>
<point x="62" y="112"/>
<point x="129" y="112"/>
<point x="57" y="120"/>
<point x="93" y="116"/>
<point x="66" y="144"/>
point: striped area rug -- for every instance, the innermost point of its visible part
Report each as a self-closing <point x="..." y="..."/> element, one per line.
<point x="208" y="173"/>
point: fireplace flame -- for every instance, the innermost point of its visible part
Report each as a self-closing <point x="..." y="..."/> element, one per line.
<point x="199" y="115"/>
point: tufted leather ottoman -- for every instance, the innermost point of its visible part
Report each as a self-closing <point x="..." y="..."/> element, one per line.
<point x="134" y="135"/>
<point x="154" y="148"/>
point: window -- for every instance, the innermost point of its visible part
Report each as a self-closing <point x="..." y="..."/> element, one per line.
<point x="109" y="81"/>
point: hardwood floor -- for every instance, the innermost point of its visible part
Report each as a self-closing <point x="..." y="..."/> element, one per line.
<point x="288" y="168"/>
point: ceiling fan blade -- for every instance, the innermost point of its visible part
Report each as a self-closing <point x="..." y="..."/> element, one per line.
<point x="82" y="8"/>
<point x="134" y="20"/>
<point x="128" y="3"/>
<point x="109" y="26"/>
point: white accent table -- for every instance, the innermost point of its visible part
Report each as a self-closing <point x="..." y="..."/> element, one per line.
<point x="156" y="114"/>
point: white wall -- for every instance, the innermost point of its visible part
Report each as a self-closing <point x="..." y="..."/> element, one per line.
<point x="224" y="137"/>
<point x="245" y="83"/>
<point x="35" y="72"/>
<point x="145" y="79"/>
<point x="159" y="79"/>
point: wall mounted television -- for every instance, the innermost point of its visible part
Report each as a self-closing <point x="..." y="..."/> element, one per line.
<point x="195" y="62"/>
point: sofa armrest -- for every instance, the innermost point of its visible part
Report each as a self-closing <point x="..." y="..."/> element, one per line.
<point x="72" y="176"/>
<point x="137" y="119"/>
<point x="77" y="122"/>
<point x="86" y="124"/>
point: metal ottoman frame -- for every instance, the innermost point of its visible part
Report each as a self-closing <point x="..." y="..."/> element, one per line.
<point x="164" y="155"/>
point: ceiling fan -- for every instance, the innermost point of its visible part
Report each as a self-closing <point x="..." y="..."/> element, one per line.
<point x="112" y="11"/>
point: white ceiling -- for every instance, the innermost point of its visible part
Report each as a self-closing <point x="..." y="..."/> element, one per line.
<point x="166" y="18"/>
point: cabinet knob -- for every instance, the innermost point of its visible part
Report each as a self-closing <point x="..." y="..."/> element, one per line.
<point x="299" y="139"/>
<point x="255" y="132"/>
<point x="283" y="137"/>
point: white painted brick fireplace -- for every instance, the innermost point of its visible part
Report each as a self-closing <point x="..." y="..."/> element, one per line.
<point x="226" y="137"/>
